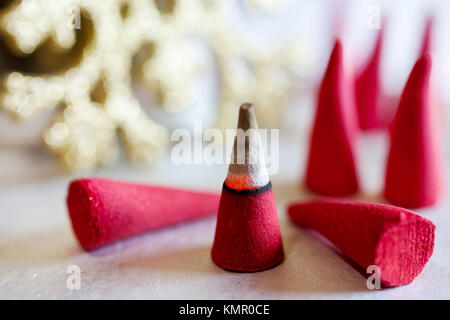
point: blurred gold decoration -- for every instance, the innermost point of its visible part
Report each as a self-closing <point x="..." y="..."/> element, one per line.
<point x="94" y="84"/>
<point x="263" y="77"/>
<point x="266" y="5"/>
<point x="170" y="72"/>
<point x="96" y="93"/>
<point x="246" y="72"/>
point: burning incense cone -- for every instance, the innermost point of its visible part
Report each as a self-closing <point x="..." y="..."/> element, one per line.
<point x="331" y="164"/>
<point x="368" y="91"/>
<point x="414" y="165"/>
<point x="396" y="240"/>
<point x="103" y="211"/>
<point x="247" y="235"/>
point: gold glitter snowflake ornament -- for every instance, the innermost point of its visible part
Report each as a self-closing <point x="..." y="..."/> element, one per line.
<point x="80" y="56"/>
<point x="84" y="133"/>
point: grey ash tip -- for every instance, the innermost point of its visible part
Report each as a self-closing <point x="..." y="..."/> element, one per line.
<point x="247" y="117"/>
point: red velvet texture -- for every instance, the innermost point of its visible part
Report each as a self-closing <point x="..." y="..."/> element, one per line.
<point x="103" y="211"/>
<point x="248" y="235"/>
<point x="396" y="240"/>
<point x="331" y="165"/>
<point x="372" y="113"/>
<point x="414" y="166"/>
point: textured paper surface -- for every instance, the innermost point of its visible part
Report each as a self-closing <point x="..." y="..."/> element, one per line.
<point x="37" y="244"/>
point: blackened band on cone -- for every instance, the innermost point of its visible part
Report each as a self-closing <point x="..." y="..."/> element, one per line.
<point x="248" y="237"/>
<point x="250" y="191"/>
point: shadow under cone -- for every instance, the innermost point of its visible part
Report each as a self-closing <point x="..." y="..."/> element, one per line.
<point x="395" y="240"/>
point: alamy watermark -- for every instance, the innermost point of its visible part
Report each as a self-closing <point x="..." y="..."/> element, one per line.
<point x="373" y="17"/>
<point x="74" y="17"/>
<point x="374" y="280"/>
<point x="212" y="146"/>
<point x="73" y="281"/>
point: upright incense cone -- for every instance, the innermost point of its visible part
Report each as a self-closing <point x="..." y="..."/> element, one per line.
<point x="368" y="91"/>
<point x="247" y="235"/>
<point x="331" y="164"/>
<point x="396" y="240"/>
<point x="427" y="48"/>
<point x="427" y="44"/>
<point x="103" y="211"/>
<point x="414" y="166"/>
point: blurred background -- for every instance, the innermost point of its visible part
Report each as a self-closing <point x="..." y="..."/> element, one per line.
<point x="96" y="88"/>
<point x="99" y="85"/>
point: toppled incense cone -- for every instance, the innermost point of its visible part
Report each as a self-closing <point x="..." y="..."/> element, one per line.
<point x="103" y="211"/>
<point x="331" y="164"/>
<point x="414" y="168"/>
<point x="372" y="113"/>
<point x="247" y="235"/>
<point x="396" y="240"/>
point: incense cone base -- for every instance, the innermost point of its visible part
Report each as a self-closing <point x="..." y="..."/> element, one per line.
<point x="413" y="197"/>
<point x="328" y="187"/>
<point x="396" y="240"/>
<point x="103" y="211"/>
<point x="248" y="237"/>
<point x="414" y="170"/>
<point x="331" y="167"/>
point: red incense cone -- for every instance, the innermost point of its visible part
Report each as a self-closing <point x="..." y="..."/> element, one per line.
<point x="427" y="44"/>
<point x="331" y="164"/>
<point x="396" y="240"/>
<point x="103" y="211"/>
<point x="414" y="166"/>
<point x="368" y="91"/>
<point x="247" y="235"/>
<point x="428" y="48"/>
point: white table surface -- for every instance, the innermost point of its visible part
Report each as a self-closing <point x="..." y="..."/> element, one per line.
<point x="37" y="244"/>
